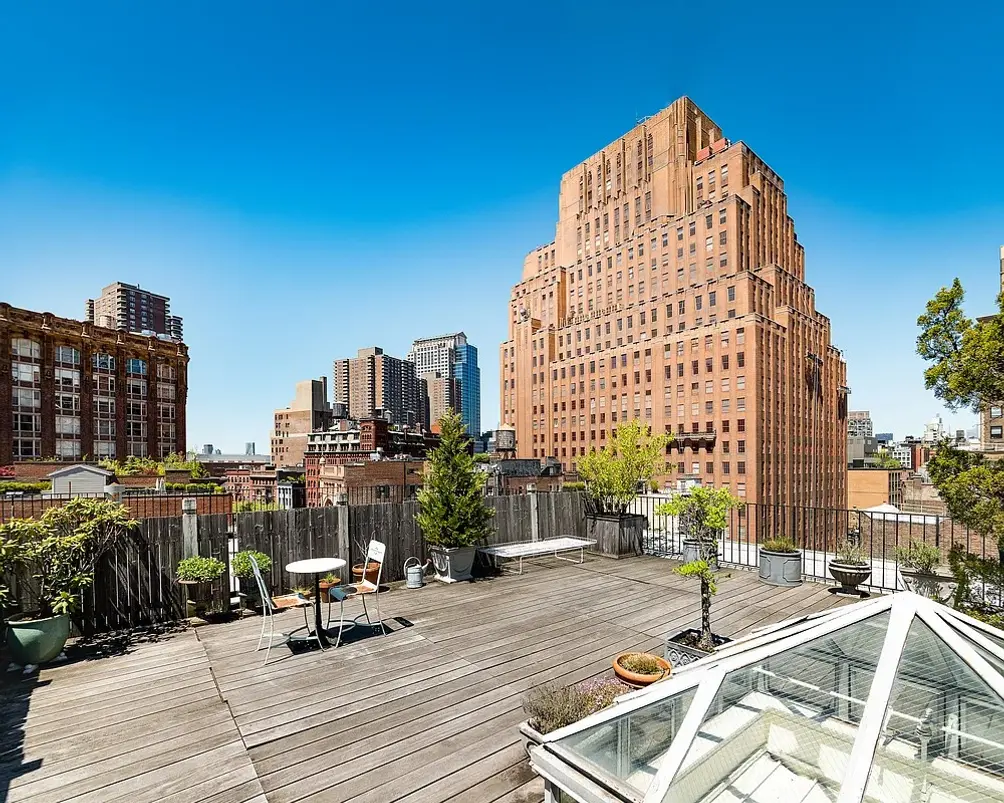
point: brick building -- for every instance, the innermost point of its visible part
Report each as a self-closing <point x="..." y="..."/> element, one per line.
<point x="370" y="481"/>
<point x="868" y="487"/>
<point x="309" y="411"/>
<point x="131" y="309"/>
<point x="374" y="384"/>
<point x="674" y="292"/>
<point x="70" y="389"/>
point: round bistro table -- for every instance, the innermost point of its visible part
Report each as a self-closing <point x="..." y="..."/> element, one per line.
<point x="317" y="567"/>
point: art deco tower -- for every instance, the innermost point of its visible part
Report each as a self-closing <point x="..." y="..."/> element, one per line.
<point x="674" y="292"/>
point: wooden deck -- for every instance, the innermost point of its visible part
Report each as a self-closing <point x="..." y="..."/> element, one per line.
<point x="427" y="713"/>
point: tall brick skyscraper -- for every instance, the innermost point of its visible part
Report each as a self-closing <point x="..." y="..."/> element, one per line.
<point x="674" y="292"/>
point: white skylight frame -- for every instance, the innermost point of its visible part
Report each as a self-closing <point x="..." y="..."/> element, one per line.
<point x="958" y="632"/>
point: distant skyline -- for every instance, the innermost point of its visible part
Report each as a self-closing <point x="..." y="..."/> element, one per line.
<point x="303" y="181"/>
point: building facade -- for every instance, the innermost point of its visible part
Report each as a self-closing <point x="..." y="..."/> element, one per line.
<point x="992" y="416"/>
<point x="129" y="308"/>
<point x="309" y="411"/>
<point x="442" y="393"/>
<point x="859" y="424"/>
<point x="674" y="292"/>
<point x="70" y="389"/>
<point x="452" y="355"/>
<point x="869" y="487"/>
<point x="374" y="384"/>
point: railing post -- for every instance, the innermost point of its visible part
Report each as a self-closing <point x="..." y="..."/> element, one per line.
<point x="189" y="527"/>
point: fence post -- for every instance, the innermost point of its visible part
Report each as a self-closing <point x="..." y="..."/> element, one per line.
<point x="344" y="536"/>
<point x="531" y="492"/>
<point x="189" y="528"/>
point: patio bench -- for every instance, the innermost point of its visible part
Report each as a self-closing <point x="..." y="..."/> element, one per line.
<point x="532" y="549"/>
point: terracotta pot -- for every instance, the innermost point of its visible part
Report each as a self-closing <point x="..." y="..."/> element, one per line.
<point x="371" y="572"/>
<point x="636" y="679"/>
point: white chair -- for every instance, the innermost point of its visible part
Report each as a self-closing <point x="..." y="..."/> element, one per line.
<point x="374" y="554"/>
<point x="270" y="604"/>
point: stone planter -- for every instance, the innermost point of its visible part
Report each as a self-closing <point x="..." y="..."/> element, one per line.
<point x="781" y="568"/>
<point x="850" y="576"/>
<point x="529" y="736"/>
<point x="926" y="584"/>
<point x="453" y="564"/>
<point x="692" y="551"/>
<point x="682" y="654"/>
<point x="37" y="641"/>
<point x="616" y="535"/>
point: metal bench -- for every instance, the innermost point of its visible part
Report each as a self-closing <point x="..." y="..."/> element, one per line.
<point x="532" y="549"/>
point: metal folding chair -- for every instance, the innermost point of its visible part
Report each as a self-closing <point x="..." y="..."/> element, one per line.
<point x="269" y="605"/>
<point x="375" y="553"/>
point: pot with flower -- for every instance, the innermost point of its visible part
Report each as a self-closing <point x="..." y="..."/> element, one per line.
<point x="780" y="563"/>
<point x="53" y="559"/>
<point x="640" y="668"/>
<point x="552" y="706"/>
<point x="850" y="567"/>
<point x="240" y="566"/>
<point x="196" y="574"/>
<point x="330" y="581"/>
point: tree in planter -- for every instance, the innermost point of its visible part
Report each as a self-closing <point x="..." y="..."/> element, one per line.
<point x="966" y="371"/>
<point x="614" y="474"/>
<point x="706" y="513"/>
<point x="452" y="508"/>
<point x="884" y="459"/>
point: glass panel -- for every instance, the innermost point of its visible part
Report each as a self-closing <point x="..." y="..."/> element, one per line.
<point x="943" y="738"/>
<point x="782" y="729"/>
<point x="630" y="748"/>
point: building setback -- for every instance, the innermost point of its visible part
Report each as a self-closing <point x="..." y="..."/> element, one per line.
<point x="674" y="292"/>
<point x="375" y="384"/>
<point x="453" y="356"/>
<point x="309" y="411"/>
<point x="129" y="308"/>
<point x="70" y="389"/>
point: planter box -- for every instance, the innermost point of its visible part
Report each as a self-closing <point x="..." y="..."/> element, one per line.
<point x="616" y="536"/>
<point x="780" y="568"/>
<point x="453" y="564"/>
<point x="682" y="654"/>
<point x="850" y="576"/>
<point x="529" y="736"/>
<point x="928" y="585"/>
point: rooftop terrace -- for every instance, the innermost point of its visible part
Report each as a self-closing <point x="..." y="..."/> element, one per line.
<point x="427" y="713"/>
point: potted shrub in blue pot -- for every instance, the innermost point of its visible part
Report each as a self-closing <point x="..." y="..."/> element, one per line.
<point x="53" y="559"/>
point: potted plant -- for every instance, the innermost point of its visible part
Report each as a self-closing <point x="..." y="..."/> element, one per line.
<point x="368" y="572"/>
<point x="850" y="568"/>
<point x="54" y="559"/>
<point x="552" y="706"/>
<point x="780" y="563"/>
<point x="194" y="572"/>
<point x="307" y="592"/>
<point x="641" y="668"/>
<point x="613" y="476"/>
<point x="919" y="566"/>
<point x="240" y="566"/>
<point x="327" y="582"/>
<point x="706" y="511"/>
<point x="453" y="514"/>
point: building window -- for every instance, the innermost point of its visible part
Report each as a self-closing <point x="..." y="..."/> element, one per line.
<point x="996" y="412"/>
<point x="995" y="433"/>
<point x="26" y="349"/>
<point x="731" y="293"/>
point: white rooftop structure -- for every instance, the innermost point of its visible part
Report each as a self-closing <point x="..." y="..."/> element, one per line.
<point x="893" y="700"/>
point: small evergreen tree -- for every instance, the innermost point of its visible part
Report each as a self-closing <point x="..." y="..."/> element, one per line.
<point x="452" y="509"/>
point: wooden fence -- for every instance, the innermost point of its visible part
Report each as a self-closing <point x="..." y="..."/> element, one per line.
<point x="134" y="586"/>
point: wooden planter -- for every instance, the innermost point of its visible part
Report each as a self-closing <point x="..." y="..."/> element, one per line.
<point x="616" y="535"/>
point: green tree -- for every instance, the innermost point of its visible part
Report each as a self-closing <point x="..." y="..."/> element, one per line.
<point x="624" y="466"/>
<point x="452" y="507"/>
<point x="966" y="370"/>
<point x="705" y="514"/>
<point x="885" y="460"/>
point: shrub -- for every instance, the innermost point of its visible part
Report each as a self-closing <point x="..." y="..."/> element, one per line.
<point x="552" y="706"/>
<point x="851" y="554"/>
<point x="779" y="545"/>
<point x="614" y="474"/>
<point x="641" y="663"/>
<point x="255" y="507"/>
<point x="198" y="569"/>
<point x="573" y="486"/>
<point x="194" y="487"/>
<point x="24" y="487"/>
<point x="241" y="563"/>
<point x="921" y="557"/>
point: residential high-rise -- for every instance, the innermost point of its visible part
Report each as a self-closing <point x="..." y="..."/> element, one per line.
<point x="674" y="292"/>
<point x="859" y="424"/>
<point x="309" y="411"/>
<point x="375" y="384"/>
<point x="452" y="355"/>
<point x="130" y="309"/>
<point x="70" y="389"/>
<point x="442" y="393"/>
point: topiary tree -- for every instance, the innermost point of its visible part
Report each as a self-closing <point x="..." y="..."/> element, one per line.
<point x="614" y="474"/>
<point x="452" y="508"/>
<point x="705" y="511"/>
<point x="241" y="566"/>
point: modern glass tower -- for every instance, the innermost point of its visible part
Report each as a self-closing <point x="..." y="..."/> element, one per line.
<point x="452" y="355"/>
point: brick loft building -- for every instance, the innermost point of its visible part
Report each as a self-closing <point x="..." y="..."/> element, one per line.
<point x="309" y="411"/>
<point x="132" y="309"/>
<point x="70" y="389"/>
<point x="674" y="292"/>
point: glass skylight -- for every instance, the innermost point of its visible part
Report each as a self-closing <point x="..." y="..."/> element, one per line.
<point x="896" y="700"/>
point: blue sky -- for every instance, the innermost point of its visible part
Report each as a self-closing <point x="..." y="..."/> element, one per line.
<point x="307" y="178"/>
